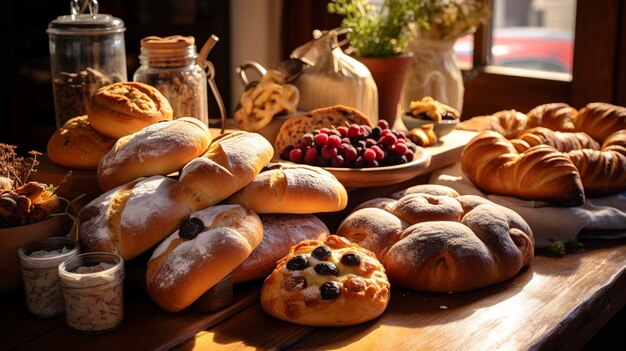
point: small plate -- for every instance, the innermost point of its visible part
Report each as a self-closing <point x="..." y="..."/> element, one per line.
<point x="441" y="128"/>
<point x="379" y="176"/>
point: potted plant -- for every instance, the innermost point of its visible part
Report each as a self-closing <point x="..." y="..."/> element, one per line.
<point x="379" y="39"/>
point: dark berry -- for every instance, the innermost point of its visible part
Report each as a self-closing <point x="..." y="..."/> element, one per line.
<point x="330" y="290"/>
<point x="310" y="156"/>
<point x="321" y="253"/>
<point x="190" y="228"/>
<point x="326" y="268"/>
<point x="285" y="153"/>
<point x="338" y="161"/>
<point x="333" y="141"/>
<point x="321" y="139"/>
<point x="369" y="155"/>
<point x="298" y="263"/>
<point x="329" y="152"/>
<point x="351" y="259"/>
<point x="383" y="124"/>
<point x="296" y="155"/>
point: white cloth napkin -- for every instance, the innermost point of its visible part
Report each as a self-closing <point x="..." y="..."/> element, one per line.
<point x="599" y="218"/>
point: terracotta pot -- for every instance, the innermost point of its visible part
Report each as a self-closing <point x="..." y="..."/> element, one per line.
<point x="388" y="73"/>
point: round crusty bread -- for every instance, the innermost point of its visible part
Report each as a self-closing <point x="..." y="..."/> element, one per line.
<point x="292" y="188"/>
<point x="158" y="149"/>
<point x="76" y="145"/>
<point x="124" y="108"/>
<point x="357" y="292"/>
<point x="181" y="269"/>
<point x="280" y="233"/>
<point x="441" y="243"/>
<point x="231" y="162"/>
<point x="294" y="128"/>
<point x="131" y="218"/>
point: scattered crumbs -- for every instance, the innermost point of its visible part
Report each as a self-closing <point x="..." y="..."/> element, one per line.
<point x="443" y="307"/>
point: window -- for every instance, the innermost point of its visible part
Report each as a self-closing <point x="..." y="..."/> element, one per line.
<point x="576" y="56"/>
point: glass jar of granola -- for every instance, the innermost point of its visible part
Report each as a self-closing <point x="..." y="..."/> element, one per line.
<point x="92" y="285"/>
<point x="170" y="65"/>
<point x="87" y="52"/>
<point x="39" y="262"/>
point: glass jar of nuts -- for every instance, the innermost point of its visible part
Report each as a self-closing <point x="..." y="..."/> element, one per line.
<point x="170" y="65"/>
<point x="87" y="52"/>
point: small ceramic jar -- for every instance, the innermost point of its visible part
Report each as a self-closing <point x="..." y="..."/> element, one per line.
<point x="39" y="262"/>
<point x="92" y="285"/>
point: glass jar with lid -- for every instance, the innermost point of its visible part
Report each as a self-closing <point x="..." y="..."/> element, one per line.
<point x="170" y="64"/>
<point x="87" y="51"/>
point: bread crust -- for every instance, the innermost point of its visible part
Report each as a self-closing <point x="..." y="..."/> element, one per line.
<point x="158" y="149"/>
<point x="280" y="233"/>
<point x="181" y="270"/>
<point x="294" y="128"/>
<point x="131" y="218"/>
<point x="292" y="188"/>
<point x="362" y="291"/>
<point x="124" y="108"/>
<point x="231" y="162"/>
<point x="77" y="145"/>
<point x="424" y="248"/>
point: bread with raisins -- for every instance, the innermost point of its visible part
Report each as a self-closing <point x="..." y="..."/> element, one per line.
<point x="294" y="128"/>
<point x="326" y="283"/>
<point x="206" y="248"/>
<point x="280" y="233"/>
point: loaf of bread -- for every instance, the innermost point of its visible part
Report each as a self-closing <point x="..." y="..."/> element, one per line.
<point x="204" y="250"/>
<point x="280" y="233"/>
<point x="326" y="283"/>
<point x="492" y="163"/>
<point x="292" y="188"/>
<point x="124" y="108"/>
<point x="294" y="128"/>
<point x="563" y="142"/>
<point x="602" y="172"/>
<point x="131" y="218"/>
<point x="231" y="162"/>
<point x="76" y="145"/>
<point x="600" y="120"/>
<point x="557" y="116"/>
<point x="158" y="149"/>
<point x="509" y="123"/>
<point x="442" y="243"/>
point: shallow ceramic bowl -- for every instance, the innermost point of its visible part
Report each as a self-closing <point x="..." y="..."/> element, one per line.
<point x="441" y="128"/>
<point x="15" y="237"/>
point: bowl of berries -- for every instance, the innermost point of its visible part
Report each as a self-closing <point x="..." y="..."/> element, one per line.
<point x="360" y="156"/>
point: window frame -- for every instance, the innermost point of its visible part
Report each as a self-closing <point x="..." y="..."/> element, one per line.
<point x="598" y="74"/>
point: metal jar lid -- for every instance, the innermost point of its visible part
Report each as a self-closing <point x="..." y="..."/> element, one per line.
<point x="81" y="23"/>
<point x="86" y="24"/>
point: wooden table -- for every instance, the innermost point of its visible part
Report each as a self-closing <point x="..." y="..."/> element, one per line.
<point x="557" y="303"/>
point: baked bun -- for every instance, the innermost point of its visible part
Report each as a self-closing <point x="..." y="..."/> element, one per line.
<point x="206" y="248"/>
<point x="76" y="145"/>
<point x="509" y="123"/>
<point x="131" y="218"/>
<point x="124" y="108"/>
<point x="280" y="233"/>
<point x="294" y="128"/>
<point x="158" y="149"/>
<point x="493" y="164"/>
<point x="557" y="116"/>
<point x="599" y="120"/>
<point x="231" y="162"/>
<point x="441" y="243"/>
<point x="326" y="283"/>
<point x="292" y="188"/>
